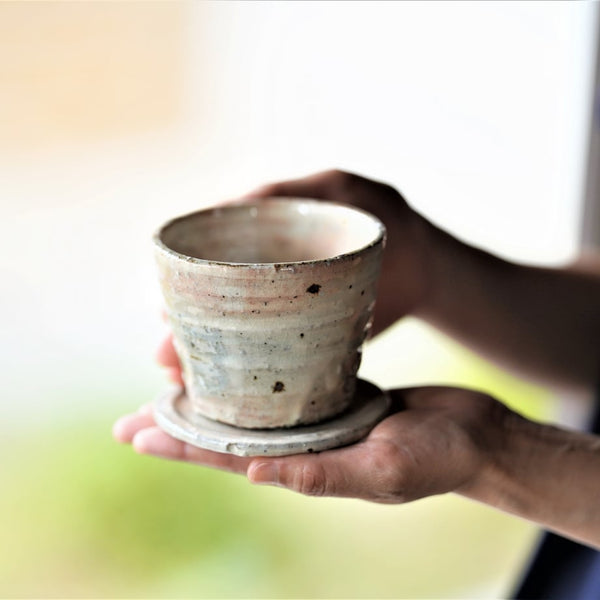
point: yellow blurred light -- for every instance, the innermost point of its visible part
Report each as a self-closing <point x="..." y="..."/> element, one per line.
<point x="86" y="71"/>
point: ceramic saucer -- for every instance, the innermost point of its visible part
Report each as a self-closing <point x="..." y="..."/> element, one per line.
<point x="174" y="414"/>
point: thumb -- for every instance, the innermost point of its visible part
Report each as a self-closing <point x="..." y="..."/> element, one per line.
<point x="346" y="472"/>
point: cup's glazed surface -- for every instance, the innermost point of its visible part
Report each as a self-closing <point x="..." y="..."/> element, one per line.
<point x="269" y="305"/>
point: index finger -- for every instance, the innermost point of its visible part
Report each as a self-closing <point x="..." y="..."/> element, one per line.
<point x="327" y="185"/>
<point x="375" y="197"/>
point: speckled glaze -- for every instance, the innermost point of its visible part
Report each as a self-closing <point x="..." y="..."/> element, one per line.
<point x="269" y="305"/>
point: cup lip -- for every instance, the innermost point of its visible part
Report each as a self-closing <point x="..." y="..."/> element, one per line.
<point x="379" y="239"/>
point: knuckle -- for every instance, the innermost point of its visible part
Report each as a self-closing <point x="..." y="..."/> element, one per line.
<point x="310" y="480"/>
<point x="389" y="191"/>
<point x="394" y="487"/>
<point x="389" y="458"/>
<point x="358" y="189"/>
<point x="342" y="179"/>
<point x="392" y="467"/>
<point x="267" y="190"/>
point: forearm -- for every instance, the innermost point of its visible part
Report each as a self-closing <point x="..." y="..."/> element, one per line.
<point x="547" y="475"/>
<point x="541" y="323"/>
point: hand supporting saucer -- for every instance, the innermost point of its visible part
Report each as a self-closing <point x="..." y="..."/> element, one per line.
<point x="174" y="414"/>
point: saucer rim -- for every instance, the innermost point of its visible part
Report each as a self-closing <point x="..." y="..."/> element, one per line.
<point x="173" y="414"/>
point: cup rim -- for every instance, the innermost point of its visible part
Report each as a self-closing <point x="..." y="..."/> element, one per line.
<point x="379" y="239"/>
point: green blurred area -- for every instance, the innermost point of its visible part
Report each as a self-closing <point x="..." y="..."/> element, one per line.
<point x="82" y="516"/>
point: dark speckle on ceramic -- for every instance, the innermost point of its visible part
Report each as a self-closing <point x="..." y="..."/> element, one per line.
<point x="278" y="386"/>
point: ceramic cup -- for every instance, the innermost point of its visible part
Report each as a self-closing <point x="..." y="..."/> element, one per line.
<point x="269" y="304"/>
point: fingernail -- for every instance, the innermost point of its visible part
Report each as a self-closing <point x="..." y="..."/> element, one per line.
<point x="265" y="473"/>
<point x="118" y="430"/>
<point x="140" y="442"/>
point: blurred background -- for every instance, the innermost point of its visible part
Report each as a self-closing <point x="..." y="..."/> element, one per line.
<point x="116" y="116"/>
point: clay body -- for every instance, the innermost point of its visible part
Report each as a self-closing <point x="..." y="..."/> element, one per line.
<point x="269" y="306"/>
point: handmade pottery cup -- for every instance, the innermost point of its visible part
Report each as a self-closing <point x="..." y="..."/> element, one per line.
<point x="269" y="304"/>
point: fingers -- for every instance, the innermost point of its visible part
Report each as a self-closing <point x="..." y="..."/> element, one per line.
<point x="320" y="185"/>
<point x="327" y="185"/>
<point x="166" y="355"/>
<point x="430" y="448"/>
<point x="359" y="471"/>
<point x="140" y="430"/>
<point x="311" y="475"/>
<point x="424" y="447"/>
<point x="154" y="441"/>
<point x="176" y="376"/>
<point x="345" y="472"/>
<point x="380" y="199"/>
<point x="125" y="429"/>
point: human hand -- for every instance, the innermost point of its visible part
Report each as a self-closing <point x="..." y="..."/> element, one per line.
<point x="404" y="276"/>
<point x="403" y="282"/>
<point x="437" y="440"/>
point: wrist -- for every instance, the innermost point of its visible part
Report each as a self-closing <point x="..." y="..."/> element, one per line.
<point x="412" y="252"/>
<point x="439" y="257"/>
<point x="500" y="449"/>
<point x="491" y="446"/>
<point x="544" y="474"/>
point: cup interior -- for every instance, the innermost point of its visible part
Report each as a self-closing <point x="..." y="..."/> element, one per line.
<point x="276" y="230"/>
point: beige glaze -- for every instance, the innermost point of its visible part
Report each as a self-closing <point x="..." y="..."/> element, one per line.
<point x="269" y="305"/>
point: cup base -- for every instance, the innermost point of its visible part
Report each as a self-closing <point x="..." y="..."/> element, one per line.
<point x="173" y="413"/>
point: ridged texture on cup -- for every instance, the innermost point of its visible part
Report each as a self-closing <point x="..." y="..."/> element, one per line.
<point x="270" y="345"/>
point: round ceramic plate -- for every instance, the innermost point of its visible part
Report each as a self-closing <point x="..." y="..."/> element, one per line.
<point x="174" y="414"/>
